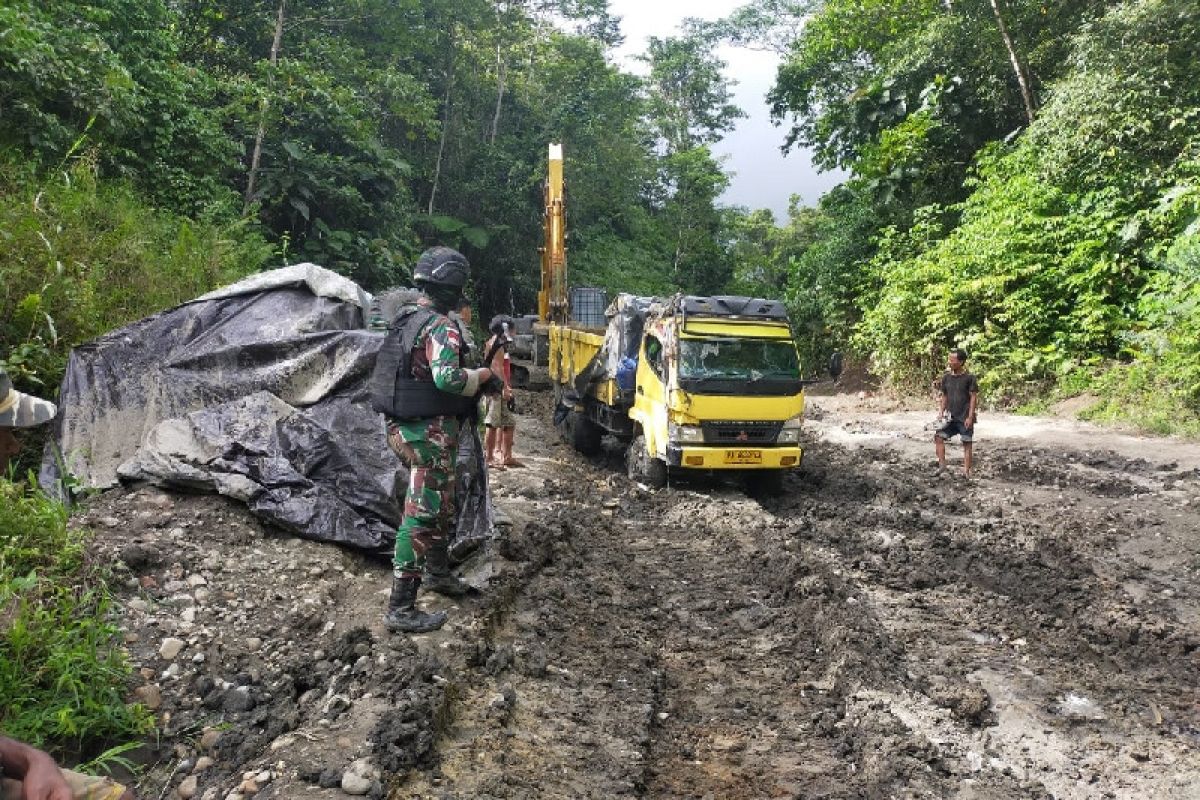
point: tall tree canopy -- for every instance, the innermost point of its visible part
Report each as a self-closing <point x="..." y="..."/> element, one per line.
<point x="1023" y="182"/>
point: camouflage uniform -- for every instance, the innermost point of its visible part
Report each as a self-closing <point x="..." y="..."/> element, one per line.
<point x="429" y="446"/>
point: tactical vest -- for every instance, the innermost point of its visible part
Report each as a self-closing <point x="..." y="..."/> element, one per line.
<point x="394" y="390"/>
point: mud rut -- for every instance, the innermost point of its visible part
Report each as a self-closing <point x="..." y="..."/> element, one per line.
<point x="871" y="633"/>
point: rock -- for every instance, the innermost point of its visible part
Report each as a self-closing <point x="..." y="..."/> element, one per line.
<point x="329" y="778"/>
<point x="138" y="604"/>
<point x="238" y="699"/>
<point x="109" y="522"/>
<point x="209" y="738"/>
<point x="196" y="580"/>
<point x="285" y="741"/>
<point x="188" y="614"/>
<point x="359" y="777"/>
<point x="170" y="648"/>
<point x="249" y="787"/>
<point x="149" y="695"/>
<point x="355" y="784"/>
<point x="187" y="789"/>
<point x="203" y="763"/>
<point x="253" y="643"/>
<point x="158" y="500"/>
<point x="336" y="705"/>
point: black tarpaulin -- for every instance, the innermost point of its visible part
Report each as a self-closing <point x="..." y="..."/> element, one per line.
<point x="258" y="392"/>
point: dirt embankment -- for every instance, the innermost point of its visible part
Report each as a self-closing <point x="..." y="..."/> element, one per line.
<point x="879" y="630"/>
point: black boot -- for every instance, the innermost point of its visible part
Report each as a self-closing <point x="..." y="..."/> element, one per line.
<point x="403" y="616"/>
<point x="438" y="577"/>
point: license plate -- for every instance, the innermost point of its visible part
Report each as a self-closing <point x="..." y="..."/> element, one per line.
<point x="743" y="456"/>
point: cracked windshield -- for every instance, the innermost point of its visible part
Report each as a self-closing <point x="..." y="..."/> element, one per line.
<point x="739" y="359"/>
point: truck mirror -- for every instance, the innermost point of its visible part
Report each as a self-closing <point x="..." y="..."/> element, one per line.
<point x="835" y="365"/>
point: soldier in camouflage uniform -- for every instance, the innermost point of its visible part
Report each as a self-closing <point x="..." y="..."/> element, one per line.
<point x="433" y="392"/>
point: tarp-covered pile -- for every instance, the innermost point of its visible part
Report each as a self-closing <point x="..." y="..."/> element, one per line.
<point x="257" y="391"/>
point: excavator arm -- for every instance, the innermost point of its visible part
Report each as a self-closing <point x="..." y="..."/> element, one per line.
<point x="552" y="299"/>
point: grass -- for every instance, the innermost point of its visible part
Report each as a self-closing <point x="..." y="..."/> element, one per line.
<point x="83" y="256"/>
<point x="1144" y="397"/>
<point x="63" y="673"/>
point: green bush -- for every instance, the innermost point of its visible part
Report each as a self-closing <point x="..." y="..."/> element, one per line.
<point x="1073" y="263"/>
<point x="83" y="256"/>
<point x="63" y="675"/>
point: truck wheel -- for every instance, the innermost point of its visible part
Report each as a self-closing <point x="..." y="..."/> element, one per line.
<point x="585" y="434"/>
<point x="641" y="466"/>
<point x="765" y="482"/>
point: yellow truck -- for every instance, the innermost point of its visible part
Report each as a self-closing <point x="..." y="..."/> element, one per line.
<point x="685" y="383"/>
<point x="688" y="384"/>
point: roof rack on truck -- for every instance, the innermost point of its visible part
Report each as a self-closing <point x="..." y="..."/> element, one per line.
<point x="732" y="306"/>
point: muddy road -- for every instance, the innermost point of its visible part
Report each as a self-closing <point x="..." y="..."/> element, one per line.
<point x="879" y="630"/>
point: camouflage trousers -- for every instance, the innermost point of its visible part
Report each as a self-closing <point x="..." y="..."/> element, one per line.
<point x="428" y="449"/>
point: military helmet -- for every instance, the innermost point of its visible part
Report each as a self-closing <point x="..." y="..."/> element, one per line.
<point x="443" y="266"/>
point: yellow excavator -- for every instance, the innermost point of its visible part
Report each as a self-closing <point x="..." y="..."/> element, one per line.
<point x="685" y="383"/>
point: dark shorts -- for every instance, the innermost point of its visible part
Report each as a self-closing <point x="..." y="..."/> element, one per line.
<point x="955" y="428"/>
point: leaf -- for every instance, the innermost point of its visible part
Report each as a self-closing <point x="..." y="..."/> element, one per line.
<point x="300" y="206"/>
<point x="477" y="237"/>
<point x="293" y="150"/>
<point x="444" y="223"/>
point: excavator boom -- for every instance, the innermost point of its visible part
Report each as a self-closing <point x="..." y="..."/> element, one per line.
<point x="552" y="299"/>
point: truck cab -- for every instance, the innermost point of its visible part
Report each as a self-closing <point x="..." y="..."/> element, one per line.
<point x="718" y="387"/>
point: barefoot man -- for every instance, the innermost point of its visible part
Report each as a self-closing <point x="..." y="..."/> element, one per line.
<point x="958" y="393"/>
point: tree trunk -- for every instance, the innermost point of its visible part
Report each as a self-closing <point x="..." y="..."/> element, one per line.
<point x="256" y="156"/>
<point x="437" y="167"/>
<point x="501" y="76"/>
<point x="1017" y="65"/>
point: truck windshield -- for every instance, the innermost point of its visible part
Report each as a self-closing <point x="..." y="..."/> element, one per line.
<point x="771" y="364"/>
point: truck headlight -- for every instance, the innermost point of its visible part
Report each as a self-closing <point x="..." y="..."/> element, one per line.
<point x="790" y="434"/>
<point x="687" y="434"/>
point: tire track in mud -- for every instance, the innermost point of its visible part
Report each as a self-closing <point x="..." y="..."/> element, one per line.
<point x="872" y="633"/>
<point x="667" y="653"/>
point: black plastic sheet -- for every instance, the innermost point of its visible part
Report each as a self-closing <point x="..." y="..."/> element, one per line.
<point x="257" y="392"/>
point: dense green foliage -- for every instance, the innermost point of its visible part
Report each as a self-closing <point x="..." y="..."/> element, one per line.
<point x="1034" y="199"/>
<point x="62" y="672"/>
<point x="82" y="257"/>
<point x="176" y="145"/>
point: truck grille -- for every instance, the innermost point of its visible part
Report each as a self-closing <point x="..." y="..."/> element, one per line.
<point x="730" y="432"/>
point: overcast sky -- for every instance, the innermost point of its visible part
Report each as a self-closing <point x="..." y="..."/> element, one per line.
<point x="762" y="176"/>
